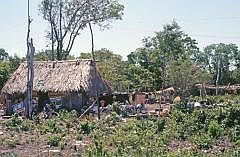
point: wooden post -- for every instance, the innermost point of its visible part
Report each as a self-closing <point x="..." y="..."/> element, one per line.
<point x="218" y="73"/>
<point x="99" y="114"/>
<point x="163" y="83"/>
<point x="95" y="69"/>
<point x="30" y="74"/>
<point x="70" y="99"/>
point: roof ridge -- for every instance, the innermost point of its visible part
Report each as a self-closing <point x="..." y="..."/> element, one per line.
<point x="61" y="61"/>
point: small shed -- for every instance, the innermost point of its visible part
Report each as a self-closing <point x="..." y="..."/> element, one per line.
<point x="72" y="82"/>
<point x="139" y="98"/>
<point x="231" y="89"/>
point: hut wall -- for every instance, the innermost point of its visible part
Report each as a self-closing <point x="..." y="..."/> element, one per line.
<point x="74" y="100"/>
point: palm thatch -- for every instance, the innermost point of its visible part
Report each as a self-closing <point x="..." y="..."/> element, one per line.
<point x="58" y="77"/>
<point x="223" y="87"/>
<point x="167" y="90"/>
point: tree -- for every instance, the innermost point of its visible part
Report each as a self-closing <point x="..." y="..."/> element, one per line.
<point x="110" y="66"/>
<point x="184" y="74"/>
<point x="44" y="55"/>
<point x="236" y="76"/>
<point x="121" y="75"/>
<point x="219" y="59"/>
<point x="68" y="17"/>
<point x="8" y="64"/>
<point x="14" y="62"/>
<point x="169" y="45"/>
<point x="4" y="73"/>
<point x="3" y="54"/>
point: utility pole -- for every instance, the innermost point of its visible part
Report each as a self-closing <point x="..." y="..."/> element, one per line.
<point x="30" y="72"/>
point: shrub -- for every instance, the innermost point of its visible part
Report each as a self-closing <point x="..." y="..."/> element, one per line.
<point x="86" y="127"/>
<point x="68" y="116"/>
<point x="11" y="142"/>
<point x="15" y="121"/>
<point x="26" y="126"/>
<point x="214" y="129"/>
<point x="53" y="126"/>
<point x="54" y="140"/>
<point x="160" y="125"/>
<point x="116" y="108"/>
<point x="234" y="134"/>
<point x="202" y="141"/>
<point x="8" y="154"/>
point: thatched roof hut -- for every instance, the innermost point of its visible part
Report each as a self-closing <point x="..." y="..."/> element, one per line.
<point x="223" y="87"/>
<point x="167" y="90"/>
<point x="58" y="77"/>
<point x="231" y="89"/>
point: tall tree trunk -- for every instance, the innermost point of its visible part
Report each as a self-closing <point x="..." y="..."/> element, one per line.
<point x="95" y="70"/>
<point x="60" y="32"/>
<point x="30" y="74"/>
<point x="218" y="74"/>
<point x="52" y="43"/>
<point x="91" y="31"/>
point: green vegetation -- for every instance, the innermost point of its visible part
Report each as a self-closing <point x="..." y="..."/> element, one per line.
<point x="169" y="58"/>
<point x="185" y="132"/>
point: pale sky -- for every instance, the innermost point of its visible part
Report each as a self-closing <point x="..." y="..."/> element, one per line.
<point x="207" y="21"/>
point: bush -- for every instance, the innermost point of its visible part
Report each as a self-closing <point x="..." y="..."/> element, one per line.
<point x="68" y="116"/>
<point x="214" y="129"/>
<point x="160" y="125"/>
<point x="116" y="108"/>
<point x="54" y="140"/>
<point x="15" y="121"/>
<point x="53" y="127"/>
<point x="86" y="127"/>
<point x="234" y="134"/>
<point x="202" y="141"/>
<point x="11" y="142"/>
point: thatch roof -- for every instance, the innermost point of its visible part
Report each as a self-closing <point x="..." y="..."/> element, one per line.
<point x="58" y="77"/>
<point x="167" y="90"/>
<point x="223" y="87"/>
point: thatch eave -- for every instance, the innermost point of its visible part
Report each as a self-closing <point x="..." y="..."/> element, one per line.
<point x="58" y="77"/>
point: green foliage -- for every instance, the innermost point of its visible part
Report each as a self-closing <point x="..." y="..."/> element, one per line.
<point x="4" y="72"/>
<point x="8" y="154"/>
<point x="116" y="108"/>
<point x="12" y="142"/>
<point x="67" y="116"/>
<point x="18" y="124"/>
<point x="68" y="18"/>
<point x="26" y="125"/>
<point x="202" y="141"/>
<point x="184" y="74"/>
<point x="234" y="134"/>
<point x="183" y="133"/>
<point x="214" y="129"/>
<point x="14" y="121"/>
<point x="8" y="64"/>
<point x="53" y="126"/>
<point x="218" y="60"/>
<point x="54" y="140"/>
<point x="86" y="127"/>
<point x="160" y="125"/>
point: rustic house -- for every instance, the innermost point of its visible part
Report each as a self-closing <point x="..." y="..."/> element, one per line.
<point x="69" y="82"/>
<point x="231" y="89"/>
